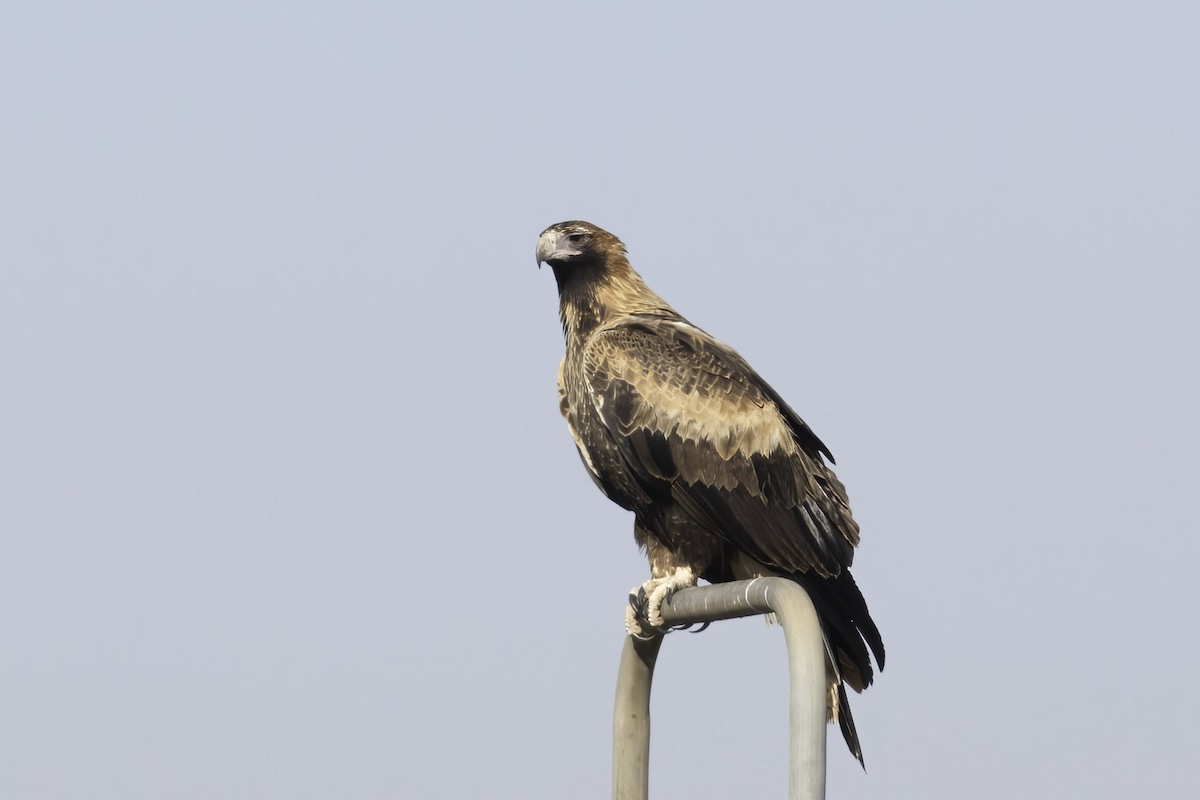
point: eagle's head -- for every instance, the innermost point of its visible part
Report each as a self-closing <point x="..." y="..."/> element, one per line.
<point x="593" y="273"/>
<point x="576" y="243"/>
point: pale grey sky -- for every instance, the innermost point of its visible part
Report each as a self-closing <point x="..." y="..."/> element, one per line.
<point x="287" y="509"/>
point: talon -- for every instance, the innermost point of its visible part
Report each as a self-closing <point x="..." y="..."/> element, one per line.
<point x="645" y="603"/>
<point x="637" y="602"/>
<point x="636" y="625"/>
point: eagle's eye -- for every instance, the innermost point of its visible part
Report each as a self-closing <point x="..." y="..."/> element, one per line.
<point x="577" y="238"/>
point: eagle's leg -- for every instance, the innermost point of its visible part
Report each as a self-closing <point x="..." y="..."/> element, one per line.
<point x="645" y="602"/>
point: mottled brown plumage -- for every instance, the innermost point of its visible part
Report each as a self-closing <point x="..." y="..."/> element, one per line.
<point x="725" y="480"/>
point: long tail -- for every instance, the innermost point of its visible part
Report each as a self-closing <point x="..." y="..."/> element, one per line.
<point x="849" y="632"/>
<point x="840" y="710"/>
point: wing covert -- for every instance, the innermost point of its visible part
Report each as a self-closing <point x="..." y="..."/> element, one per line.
<point x="691" y="418"/>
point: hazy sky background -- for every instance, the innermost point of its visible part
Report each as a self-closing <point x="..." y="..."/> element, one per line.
<point x="287" y="509"/>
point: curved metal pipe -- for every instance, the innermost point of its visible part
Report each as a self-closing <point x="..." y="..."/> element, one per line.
<point x="806" y="668"/>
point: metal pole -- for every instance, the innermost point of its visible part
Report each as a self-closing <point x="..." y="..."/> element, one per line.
<point x="806" y="668"/>
<point x="631" y="719"/>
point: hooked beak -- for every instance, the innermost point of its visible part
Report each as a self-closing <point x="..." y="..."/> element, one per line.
<point x="552" y="246"/>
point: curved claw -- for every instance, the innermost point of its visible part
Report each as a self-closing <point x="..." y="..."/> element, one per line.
<point x="688" y="627"/>
<point x="637" y="601"/>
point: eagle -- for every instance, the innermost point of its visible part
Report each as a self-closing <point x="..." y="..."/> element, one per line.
<point x="725" y="480"/>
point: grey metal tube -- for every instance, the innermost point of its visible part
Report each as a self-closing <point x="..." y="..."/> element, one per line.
<point x="806" y="668"/>
<point x="631" y="719"/>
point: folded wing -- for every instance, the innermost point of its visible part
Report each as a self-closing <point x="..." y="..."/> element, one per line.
<point x="692" y="420"/>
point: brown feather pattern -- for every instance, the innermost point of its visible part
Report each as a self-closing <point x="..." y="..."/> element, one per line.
<point x="678" y="428"/>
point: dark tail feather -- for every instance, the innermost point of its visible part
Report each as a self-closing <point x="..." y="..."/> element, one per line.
<point x="847" y="622"/>
<point x="857" y="605"/>
<point x="849" y="631"/>
<point x="846" y="723"/>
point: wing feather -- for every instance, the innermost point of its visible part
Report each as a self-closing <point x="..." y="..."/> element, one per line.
<point x="686" y="410"/>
